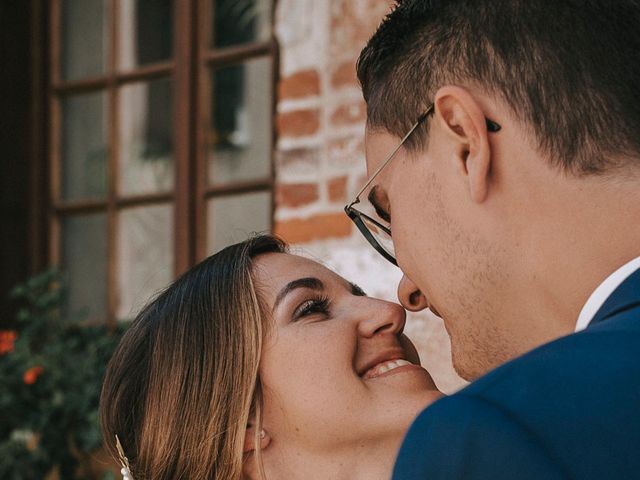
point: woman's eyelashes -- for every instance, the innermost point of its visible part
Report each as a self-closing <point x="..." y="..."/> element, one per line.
<point x="319" y="305"/>
<point x="356" y="290"/>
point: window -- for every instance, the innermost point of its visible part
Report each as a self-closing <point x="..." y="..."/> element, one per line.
<point x="160" y="140"/>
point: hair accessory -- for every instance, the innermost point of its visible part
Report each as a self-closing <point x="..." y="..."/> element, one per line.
<point x="124" y="461"/>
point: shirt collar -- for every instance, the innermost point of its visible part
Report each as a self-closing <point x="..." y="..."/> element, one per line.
<point x="604" y="290"/>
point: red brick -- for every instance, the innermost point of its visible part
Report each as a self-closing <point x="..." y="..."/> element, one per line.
<point x="337" y="188"/>
<point x="298" y="123"/>
<point x="296" y="194"/>
<point x="345" y="75"/>
<point x="350" y="145"/>
<point x="318" y="227"/>
<point x="348" y="114"/>
<point x="307" y="158"/>
<point x="346" y="151"/>
<point x="299" y="85"/>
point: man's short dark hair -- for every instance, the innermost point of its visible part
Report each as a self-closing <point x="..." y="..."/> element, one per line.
<point x="570" y="69"/>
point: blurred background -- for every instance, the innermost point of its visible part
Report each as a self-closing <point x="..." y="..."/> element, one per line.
<point x="140" y="136"/>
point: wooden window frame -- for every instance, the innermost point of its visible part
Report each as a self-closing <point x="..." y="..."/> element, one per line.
<point x="188" y="72"/>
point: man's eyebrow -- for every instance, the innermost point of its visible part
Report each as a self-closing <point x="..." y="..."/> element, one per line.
<point x="312" y="283"/>
<point x="372" y="199"/>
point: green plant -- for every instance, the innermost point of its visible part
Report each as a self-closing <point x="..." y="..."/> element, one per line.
<point x="51" y="372"/>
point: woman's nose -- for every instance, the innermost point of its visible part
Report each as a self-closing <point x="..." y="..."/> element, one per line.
<point x="410" y="296"/>
<point x="382" y="317"/>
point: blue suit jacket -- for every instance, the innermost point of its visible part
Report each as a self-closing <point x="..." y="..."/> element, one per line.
<point x="569" y="409"/>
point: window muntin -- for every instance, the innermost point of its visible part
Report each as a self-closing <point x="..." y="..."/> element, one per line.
<point x="135" y="159"/>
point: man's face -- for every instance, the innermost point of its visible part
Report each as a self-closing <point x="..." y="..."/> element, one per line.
<point x="444" y="246"/>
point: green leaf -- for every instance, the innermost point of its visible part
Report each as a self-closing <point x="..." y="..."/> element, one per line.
<point x="63" y="401"/>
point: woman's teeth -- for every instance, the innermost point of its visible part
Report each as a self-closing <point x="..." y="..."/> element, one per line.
<point x="384" y="367"/>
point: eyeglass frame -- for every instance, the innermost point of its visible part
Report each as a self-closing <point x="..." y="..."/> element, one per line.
<point x="356" y="215"/>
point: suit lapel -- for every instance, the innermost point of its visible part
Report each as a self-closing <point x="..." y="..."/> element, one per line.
<point x="625" y="296"/>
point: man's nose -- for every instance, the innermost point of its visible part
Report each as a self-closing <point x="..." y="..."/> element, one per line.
<point x="410" y="296"/>
<point x="382" y="317"/>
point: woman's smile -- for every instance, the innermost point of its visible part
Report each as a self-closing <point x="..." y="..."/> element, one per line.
<point x="390" y="367"/>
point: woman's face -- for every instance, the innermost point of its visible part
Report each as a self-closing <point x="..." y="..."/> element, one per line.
<point x="336" y="370"/>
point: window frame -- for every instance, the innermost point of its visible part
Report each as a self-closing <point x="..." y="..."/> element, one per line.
<point x="188" y="72"/>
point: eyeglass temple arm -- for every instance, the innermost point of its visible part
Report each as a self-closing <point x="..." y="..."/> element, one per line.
<point x="421" y="119"/>
<point x="491" y="126"/>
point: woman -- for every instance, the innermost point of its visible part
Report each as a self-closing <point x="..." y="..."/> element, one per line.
<point x="259" y="364"/>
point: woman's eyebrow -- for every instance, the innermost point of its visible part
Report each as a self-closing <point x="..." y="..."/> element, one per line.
<point x="312" y="283"/>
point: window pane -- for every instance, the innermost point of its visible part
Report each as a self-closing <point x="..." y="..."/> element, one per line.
<point x="146" y="143"/>
<point x="240" y="134"/>
<point x="240" y="21"/>
<point x="146" y="32"/>
<point x="83" y="38"/>
<point x="145" y="256"/>
<point x="84" y="259"/>
<point x="84" y="147"/>
<point x="232" y="219"/>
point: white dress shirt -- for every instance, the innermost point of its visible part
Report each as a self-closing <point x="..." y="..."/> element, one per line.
<point x="604" y="290"/>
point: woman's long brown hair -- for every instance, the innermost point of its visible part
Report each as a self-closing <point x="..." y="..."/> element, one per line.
<point x="183" y="382"/>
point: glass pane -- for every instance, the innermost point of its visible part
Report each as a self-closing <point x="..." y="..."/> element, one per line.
<point x="240" y="133"/>
<point x="84" y="147"/>
<point x="84" y="259"/>
<point x="232" y="219"/>
<point x="240" y="21"/>
<point x="83" y="38"/>
<point x="146" y="32"/>
<point x="146" y="142"/>
<point x="145" y="256"/>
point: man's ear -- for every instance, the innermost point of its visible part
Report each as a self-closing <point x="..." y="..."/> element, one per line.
<point x="466" y="124"/>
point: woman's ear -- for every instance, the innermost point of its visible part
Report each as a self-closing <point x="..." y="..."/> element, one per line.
<point x="253" y="438"/>
<point x="466" y="124"/>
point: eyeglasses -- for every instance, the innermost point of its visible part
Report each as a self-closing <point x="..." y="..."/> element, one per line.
<point x="377" y="234"/>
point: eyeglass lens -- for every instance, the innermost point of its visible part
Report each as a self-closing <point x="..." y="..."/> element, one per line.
<point x="382" y="237"/>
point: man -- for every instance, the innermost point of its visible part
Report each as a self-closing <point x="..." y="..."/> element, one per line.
<point x="514" y="202"/>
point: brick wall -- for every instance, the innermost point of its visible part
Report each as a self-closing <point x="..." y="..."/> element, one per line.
<point x="320" y="154"/>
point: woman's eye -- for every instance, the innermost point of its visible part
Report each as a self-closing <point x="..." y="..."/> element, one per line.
<point x="312" y="306"/>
